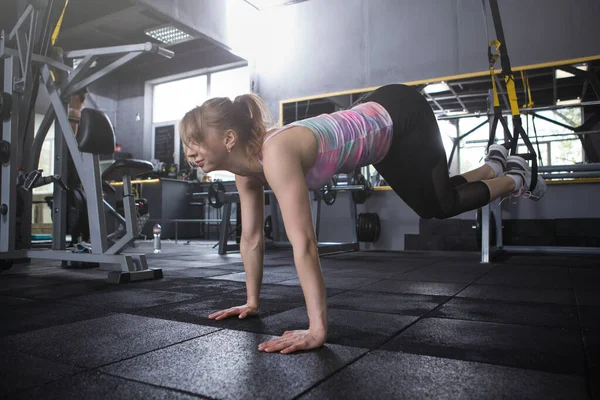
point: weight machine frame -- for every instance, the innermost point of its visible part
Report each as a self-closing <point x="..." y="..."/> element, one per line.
<point x="22" y="67"/>
<point x="489" y="250"/>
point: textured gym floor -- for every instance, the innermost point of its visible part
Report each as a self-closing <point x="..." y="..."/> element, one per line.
<point x="402" y="325"/>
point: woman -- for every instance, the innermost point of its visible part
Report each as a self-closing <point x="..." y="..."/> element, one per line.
<point x="392" y="128"/>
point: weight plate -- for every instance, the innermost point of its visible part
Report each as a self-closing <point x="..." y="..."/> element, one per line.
<point x="216" y="194"/>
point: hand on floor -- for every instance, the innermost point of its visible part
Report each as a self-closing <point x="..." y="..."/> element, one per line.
<point x="292" y="341"/>
<point x="241" y="312"/>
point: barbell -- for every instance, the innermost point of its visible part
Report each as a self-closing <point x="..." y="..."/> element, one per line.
<point x="359" y="186"/>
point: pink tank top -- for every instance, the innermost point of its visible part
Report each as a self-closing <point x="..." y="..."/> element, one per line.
<point x="346" y="140"/>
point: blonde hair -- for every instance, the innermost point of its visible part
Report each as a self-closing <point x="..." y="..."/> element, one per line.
<point x="247" y="115"/>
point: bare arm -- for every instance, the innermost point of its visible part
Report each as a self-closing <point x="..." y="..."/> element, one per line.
<point x="283" y="170"/>
<point x="252" y="242"/>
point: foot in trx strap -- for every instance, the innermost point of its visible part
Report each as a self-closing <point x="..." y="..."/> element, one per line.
<point x="496" y="159"/>
<point x="518" y="169"/>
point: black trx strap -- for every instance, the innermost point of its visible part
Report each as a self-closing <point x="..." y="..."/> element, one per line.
<point x="511" y="141"/>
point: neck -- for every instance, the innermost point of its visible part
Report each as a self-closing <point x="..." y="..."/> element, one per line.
<point x="241" y="164"/>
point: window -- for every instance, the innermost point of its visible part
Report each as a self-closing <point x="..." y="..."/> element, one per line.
<point x="230" y="83"/>
<point x="555" y="145"/>
<point x="171" y="100"/>
<point x="46" y="156"/>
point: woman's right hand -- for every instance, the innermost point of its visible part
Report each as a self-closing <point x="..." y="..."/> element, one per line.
<point x="241" y="312"/>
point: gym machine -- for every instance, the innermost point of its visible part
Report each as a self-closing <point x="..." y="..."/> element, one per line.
<point x="26" y="66"/>
<point x="491" y="214"/>
<point x="366" y="229"/>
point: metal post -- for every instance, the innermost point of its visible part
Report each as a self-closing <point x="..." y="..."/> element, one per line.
<point x="485" y="234"/>
<point x="224" y="229"/>
<point x="8" y="192"/>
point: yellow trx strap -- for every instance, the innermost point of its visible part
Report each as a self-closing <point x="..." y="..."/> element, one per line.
<point x="525" y="80"/>
<point x="55" y="33"/>
<point x="493" y="59"/>
<point x="59" y="24"/>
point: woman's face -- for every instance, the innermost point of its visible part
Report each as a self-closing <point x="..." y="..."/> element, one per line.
<point x="209" y="154"/>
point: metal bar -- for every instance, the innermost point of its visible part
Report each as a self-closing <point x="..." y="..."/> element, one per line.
<point x="146" y="47"/>
<point x="553" y="250"/>
<point x="103" y="72"/>
<point x="433" y="100"/>
<point x="338" y="188"/>
<point x="485" y="234"/>
<point x="20" y="22"/>
<point x="553" y="121"/>
<point x="458" y="98"/>
<point x="572" y="175"/>
<point x="40" y="60"/>
<point x="574" y="167"/>
<point x="81" y="70"/>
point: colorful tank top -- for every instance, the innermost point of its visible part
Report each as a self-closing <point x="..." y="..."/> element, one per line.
<point x="346" y="140"/>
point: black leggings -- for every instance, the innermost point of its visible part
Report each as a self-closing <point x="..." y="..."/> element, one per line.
<point x="416" y="166"/>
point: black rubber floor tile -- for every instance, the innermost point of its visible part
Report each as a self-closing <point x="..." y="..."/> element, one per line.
<point x="588" y="297"/>
<point x="590" y="316"/>
<point x="560" y="261"/>
<point x="268" y="277"/>
<point x="346" y="271"/>
<point x="591" y="341"/>
<point x="531" y="314"/>
<point x="517" y="294"/>
<point x="388" y="375"/>
<point x="93" y="385"/>
<point x="100" y="341"/>
<point x="348" y="328"/>
<point x="336" y="282"/>
<point x="392" y="303"/>
<point x="538" y="348"/>
<point x="21" y="371"/>
<point x="227" y="365"/>
<point x="286" y="294"/>
<point x="197" y="312"/>
<point x="449" y="273"/>
<point x="528" y="276"/>
<point x="130" y="299"/>
<point x="61" y="290"/>
<point x="19" y="282"/>
<point x="198" y="286"/>
<point x="586" y="278"/>
<point x="42" y="314"/>
<point x="413" y="287"/>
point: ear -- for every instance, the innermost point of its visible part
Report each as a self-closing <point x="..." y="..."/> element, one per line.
<point x="230" y="138"/>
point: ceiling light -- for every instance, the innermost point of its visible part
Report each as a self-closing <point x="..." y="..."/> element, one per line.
<point x="436" y="88"/>
<point x="560" y="102"/>
<point x="263" y="4"/>
<point x="457" y="112"/>
<point x="560" y="74"/>
<point x="168" y="34"/>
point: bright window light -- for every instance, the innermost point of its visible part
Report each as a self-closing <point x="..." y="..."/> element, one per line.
<point x="173" y="99"/>
<point x="436" y="88"/>
<point x="560" y="74"/>
<point x="168" y="34"/>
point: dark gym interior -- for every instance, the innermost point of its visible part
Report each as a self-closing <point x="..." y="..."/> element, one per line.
<point x="106" y="285"/>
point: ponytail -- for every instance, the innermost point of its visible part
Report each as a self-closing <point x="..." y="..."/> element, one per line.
<point x="254" y="108"/>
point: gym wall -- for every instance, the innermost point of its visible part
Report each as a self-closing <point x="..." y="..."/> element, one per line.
<point x="335" y="45"/>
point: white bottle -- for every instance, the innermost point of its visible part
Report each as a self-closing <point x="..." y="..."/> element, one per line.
<point x="156" y="231"/>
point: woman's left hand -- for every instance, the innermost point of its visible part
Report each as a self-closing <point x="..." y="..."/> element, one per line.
<point x="292" y="341"/>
